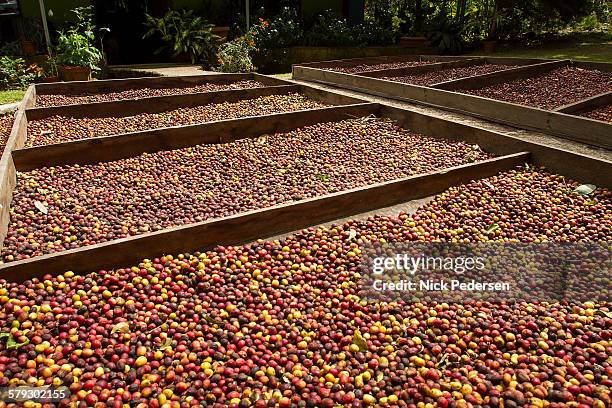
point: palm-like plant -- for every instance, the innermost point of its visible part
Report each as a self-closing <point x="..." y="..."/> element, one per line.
<point x="184" y="33"/>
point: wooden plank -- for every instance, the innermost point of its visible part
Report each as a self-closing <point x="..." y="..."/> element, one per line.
<point x="249" y="226"/>
<point x="270" y="80"/>
<point x="109" y="148"/>
<point x="583" y="168"/>
<point x="587" y="104"/>
<point x="8" y="178"/>
<point x="29" y="99"/>
<point x="421" y="69"/>
<point x="525" y="117"/>
<point x="498" y="77"/>
<point x="155" y="104"/>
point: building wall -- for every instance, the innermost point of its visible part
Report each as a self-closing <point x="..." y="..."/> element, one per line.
<point x="61" y="9"/>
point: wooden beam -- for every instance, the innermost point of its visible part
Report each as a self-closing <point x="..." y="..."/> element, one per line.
<point x="587" y="104"/>
<point x="115" y="147"/>
<point x="249" y="226"/>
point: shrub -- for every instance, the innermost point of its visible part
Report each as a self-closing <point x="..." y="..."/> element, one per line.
<point x="373" y="33"/>
<point x="273" y="36"/>
<point x="235" y="56"/>
<point x="14" y="74"/>
<point x="329" y="30"/>
<point x="185" y="33"/>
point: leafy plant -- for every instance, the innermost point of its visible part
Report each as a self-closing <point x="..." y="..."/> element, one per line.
<point x="50" y="67"/>
<point x="235" y="56"/>
<point x="15" y="74"/>
<point x="11" y="342"/>
<point x="184" y="33"/>
<point x="281" y="31"/>
<point x="76" y="47"/>
<point x="446" y="34"/>
<point x="76" y="50"/>
<point x="273" y="37"/>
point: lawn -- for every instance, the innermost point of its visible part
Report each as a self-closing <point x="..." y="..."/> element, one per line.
<point x="11" y="96"/>
<point x="588" y="47"/>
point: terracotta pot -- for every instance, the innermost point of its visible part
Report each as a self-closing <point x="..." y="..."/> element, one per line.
<point x="413" y="42"/>
<point x="221" y="31"/>
<point x="76" y="73"/>
<point x="28" y="47"/>
<point x="489" y="46"/>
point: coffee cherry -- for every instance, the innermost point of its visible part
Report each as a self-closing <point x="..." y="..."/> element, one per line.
<point x="57" y="129"/>
<point x="448" y="74"/>
<point x="550" y="90"/>
<point x="45" y="100"/>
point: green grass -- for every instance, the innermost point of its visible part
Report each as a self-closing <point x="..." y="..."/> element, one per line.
<point x="594" y="47"/>
<point x="283" y="76"/>
<point x="11" y="96"/>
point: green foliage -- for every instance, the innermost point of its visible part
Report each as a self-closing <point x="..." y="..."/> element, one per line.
<point x="11" y="342"/>
<point x="50" y="66"/>
<point x="589" y="23"/>
<point x="329" y="30"/>
<point x="332" y="30"/>
<point x="281" y="31"/>
<point x="373" y="33"/>
<point x="185" y="33"/>
<point x="14" y="74"/>
<point x="235" y="56"/>
<point x="272" y="37"/>
<point x="76" y="47"/>
<point x="446" y="34"/>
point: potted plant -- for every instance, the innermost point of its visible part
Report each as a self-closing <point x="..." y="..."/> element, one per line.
<point x="50" y="70"/>
<point x="77" y="56"/>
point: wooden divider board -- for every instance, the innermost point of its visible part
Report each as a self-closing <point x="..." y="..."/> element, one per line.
<point x="421" y="69"/>
<point x="249" y="226"/>
<point x="588" y="104"/>
<point x="575" y="128"/>
<point x="351" y="62"/>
